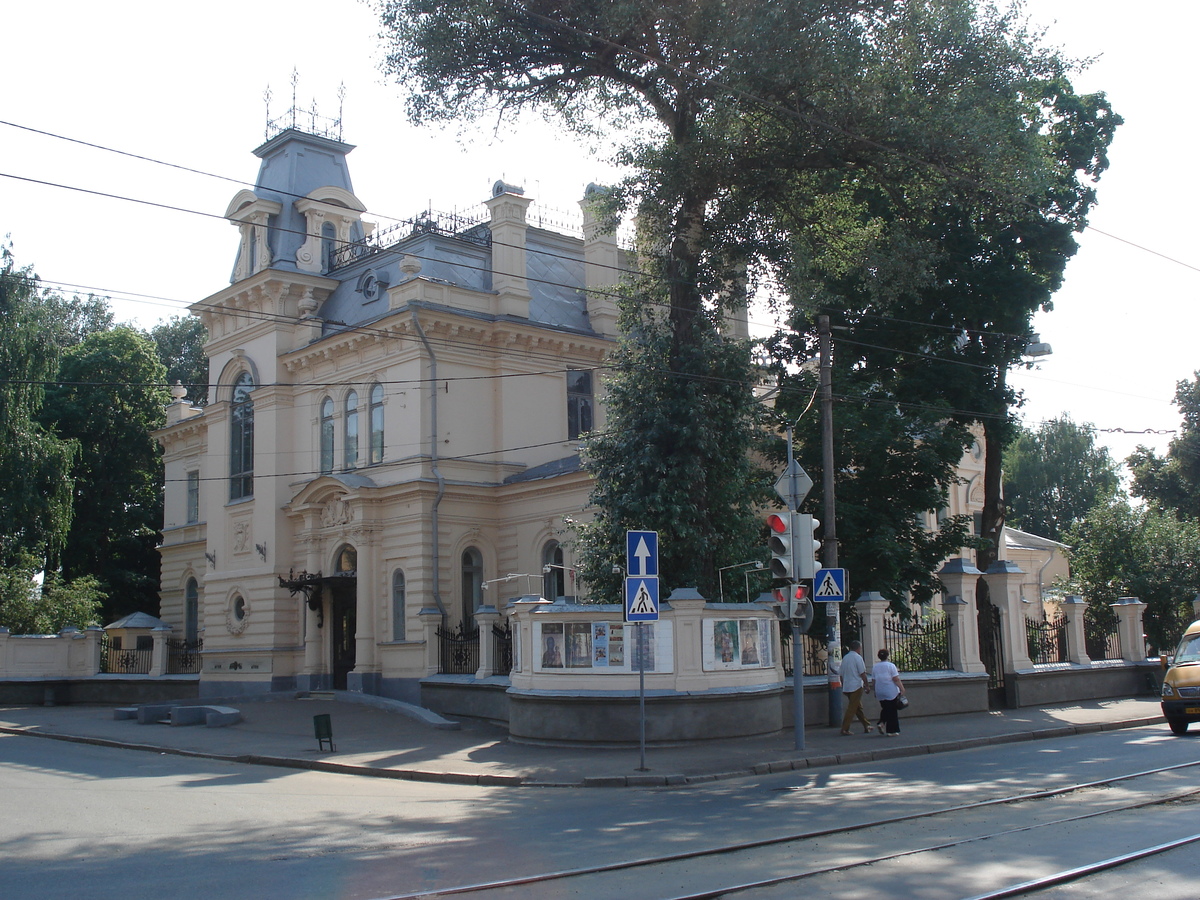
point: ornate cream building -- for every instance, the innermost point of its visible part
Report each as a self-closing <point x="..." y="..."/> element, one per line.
<point x="392" y="426"/>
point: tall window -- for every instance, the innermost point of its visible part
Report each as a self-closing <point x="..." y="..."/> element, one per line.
<point x="328" y="246"/>
<point x="191" y="612"/>
<point x="241" y="439"/>
<point x="326" y="436"/>
<point x="554" y="582"/>
<point x="472" y="583"/>
<point x="351" y="446"/>
<point x="376" y="407"/>
<point x="579" y="403"/>
<point x="398" y="605"/>
<point x="193" y="496"/>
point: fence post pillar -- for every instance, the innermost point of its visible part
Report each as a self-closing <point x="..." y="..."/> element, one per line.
<point x="1130" y="630"/>
<point x="94" y="635"/>
<point x="4" y="633"/>
<point x="1196" y="606"/>
<point x="871" y="605"/>
<point x="158" y="657"/>
<point x="431" y="621"/>
<point x="1003" y="579"/>
<point x="1073" y="608"/>
<point x="958" y="577"/>
<point x="485" y="618"/>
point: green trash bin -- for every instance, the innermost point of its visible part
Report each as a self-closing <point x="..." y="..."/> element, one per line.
<point x="324" y="731"/>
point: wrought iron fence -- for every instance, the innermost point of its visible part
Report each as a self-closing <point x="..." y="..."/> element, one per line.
<point x="502" y="648"/>
<point x="184" y="656"/>
<point x="1100" y="638"/>
<point x="458" y="651"/>
<point x="1046" y="639"/>
<point x="813" y="650"/>
<point x="467" y="226"/>
<point x="115" y="660"/>
<point x="919" y="644"/>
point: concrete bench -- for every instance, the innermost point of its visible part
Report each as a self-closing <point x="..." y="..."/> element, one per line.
<point x="150" y="715"/>
<point x="212" y="716"/>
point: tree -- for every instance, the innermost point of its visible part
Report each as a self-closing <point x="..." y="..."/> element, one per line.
<point x="35" y="464"/>
<point x="1173" y="482"/>
<point x="733" y="123"/>
<point x="180" y="342"/>
<point x="29" y="608"/>
<point x="1054" y="475"/>
<point x="665" y="440"/>
<point x="1121" y="551"/>
<point x="110" y="397"/>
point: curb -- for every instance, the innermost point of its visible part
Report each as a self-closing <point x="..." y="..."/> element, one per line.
<point x="602" y="781"/>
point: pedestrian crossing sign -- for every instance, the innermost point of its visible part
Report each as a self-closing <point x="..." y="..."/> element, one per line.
<point x="641" y="599"/>
<point x="829" y="586"/>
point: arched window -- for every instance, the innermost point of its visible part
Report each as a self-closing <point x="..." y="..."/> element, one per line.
<point x="191" y="612"/>
<point x="347" y="561"/>
<point x="241" y="439"/>
<point x="376" y="406"/>
<point x="472" y="583"/>
<point x="326" y="436"/>
<point x="351" y="445"/>
<point x="398" y="605"/>
<point x="553" y="572"/>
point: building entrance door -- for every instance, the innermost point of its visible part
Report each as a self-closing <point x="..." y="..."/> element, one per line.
<point x="344" y="612"/>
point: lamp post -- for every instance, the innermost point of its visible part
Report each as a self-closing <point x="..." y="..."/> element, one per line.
<point x="756" y="563"/>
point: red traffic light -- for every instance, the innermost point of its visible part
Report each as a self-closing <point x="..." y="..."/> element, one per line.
<point x="778" y="523"/>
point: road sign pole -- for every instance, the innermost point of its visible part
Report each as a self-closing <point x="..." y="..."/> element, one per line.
<point x="641" y="638"/>
<point x="797" y="638"/>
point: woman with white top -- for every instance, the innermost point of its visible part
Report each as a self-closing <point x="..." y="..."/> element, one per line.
<point x="888" y="690"/>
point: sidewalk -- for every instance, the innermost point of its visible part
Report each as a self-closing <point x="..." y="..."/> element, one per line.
<point x="394" y="741"/>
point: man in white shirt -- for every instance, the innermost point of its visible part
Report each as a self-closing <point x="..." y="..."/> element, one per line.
<point x="854" y="682"/>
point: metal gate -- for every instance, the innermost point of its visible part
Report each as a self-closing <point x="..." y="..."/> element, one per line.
<point x="991" y="652"/>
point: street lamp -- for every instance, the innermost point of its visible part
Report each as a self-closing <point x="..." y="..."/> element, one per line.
<point x="757" y="563"/>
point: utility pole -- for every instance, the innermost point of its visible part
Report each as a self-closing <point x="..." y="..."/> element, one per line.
<point x="829" y="544"/>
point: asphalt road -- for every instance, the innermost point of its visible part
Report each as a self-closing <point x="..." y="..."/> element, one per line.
<point x="96" y="822"/>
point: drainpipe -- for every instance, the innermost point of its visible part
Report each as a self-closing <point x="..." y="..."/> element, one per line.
<point x="437" y="472"/>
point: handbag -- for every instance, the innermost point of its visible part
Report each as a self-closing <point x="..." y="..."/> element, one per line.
<point x="902" y="702"/>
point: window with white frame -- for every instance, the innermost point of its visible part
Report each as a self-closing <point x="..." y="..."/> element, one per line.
<point x="327" y="433"/>
<point x="351" y="431"/>
<point x="579" y="402"/>
<point x="241" y="439"/>
<point x="376" y="421"/>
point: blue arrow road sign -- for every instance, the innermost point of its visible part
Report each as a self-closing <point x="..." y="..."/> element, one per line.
<point x="641" y="553"/>
<point x="641" y="599"/>
<point x="830" y="586"/>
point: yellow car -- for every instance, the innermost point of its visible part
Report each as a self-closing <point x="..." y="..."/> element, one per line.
<point x="1181" y="684"/>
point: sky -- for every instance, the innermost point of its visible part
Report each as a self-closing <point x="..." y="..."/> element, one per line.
<point x="185" y="84"/>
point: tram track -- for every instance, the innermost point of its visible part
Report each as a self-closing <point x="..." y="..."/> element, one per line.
<point x="565" y="882"/>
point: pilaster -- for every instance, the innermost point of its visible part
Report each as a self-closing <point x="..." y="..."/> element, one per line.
<point x="600" y="261"/>
<point x="486" y="617"/>
<point x="1003" y="579"/>
<point x="872" y="606"/>
<point x="1130" y="630"/>
<point x="959" y="577"/>
<point x="1073" y="608"/>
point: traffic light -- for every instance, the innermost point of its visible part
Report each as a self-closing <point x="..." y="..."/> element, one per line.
<point x="779" y="542"/>
<point x="802" y="608"/>
<point x="807" y="546"/>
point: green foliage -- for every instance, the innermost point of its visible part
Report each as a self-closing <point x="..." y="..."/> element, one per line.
<point x="180" y="343"/>
<point x="1054" y="475"/>
<point x="674" y="458"/>
<point x="1121" y="551"/>
<point x="1173" y="482"/>
<point x="35" y="482"/>
<point x="111" y="396"/>
<point x="26" y="608"/>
